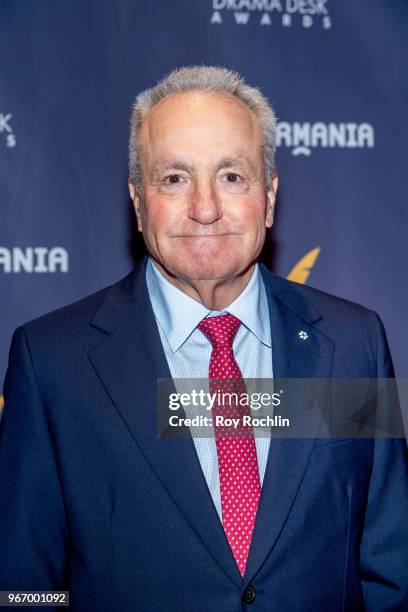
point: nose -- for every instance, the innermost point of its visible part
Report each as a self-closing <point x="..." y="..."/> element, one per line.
<point x="204" y="206"/>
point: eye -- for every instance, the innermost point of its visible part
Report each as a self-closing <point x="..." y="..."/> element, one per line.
<point x="173" y="179"/>
<point x="232" y="177"/>
<point x="174" y="184"/>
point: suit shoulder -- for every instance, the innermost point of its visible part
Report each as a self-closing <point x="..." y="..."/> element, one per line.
<point x="75" y="315"/>
<point x="321" y="300"/>
<point x="354" y="329"/>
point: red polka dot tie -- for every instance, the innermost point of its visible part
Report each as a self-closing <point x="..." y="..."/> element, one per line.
<point x="237" y="460"/>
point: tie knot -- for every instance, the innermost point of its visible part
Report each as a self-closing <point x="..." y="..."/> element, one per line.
<point x="220" y="330"/>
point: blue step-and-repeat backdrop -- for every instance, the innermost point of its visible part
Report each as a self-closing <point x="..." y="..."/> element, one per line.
<point x="336" y="73"/>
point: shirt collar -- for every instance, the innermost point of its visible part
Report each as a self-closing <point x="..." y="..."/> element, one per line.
<point x="178" y="314"/>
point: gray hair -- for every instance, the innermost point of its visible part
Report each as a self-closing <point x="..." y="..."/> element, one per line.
<point x="207" y="79"/>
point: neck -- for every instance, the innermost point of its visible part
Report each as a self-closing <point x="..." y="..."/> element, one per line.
<point x="214" y="294"/>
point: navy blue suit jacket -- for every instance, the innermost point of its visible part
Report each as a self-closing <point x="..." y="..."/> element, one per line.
<point x="93" y="502"/>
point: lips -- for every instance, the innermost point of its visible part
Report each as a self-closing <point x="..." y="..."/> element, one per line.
<point x="203" y="235"/>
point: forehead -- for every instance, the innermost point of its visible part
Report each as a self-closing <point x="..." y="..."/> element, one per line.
<point x="200" y="123"/>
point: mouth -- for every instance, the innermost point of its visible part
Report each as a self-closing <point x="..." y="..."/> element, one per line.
<point x="203" y="235"/>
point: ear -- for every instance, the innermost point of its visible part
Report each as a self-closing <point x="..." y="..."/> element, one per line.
<point x="270" y="200"/>
<point x="136" y="203"/>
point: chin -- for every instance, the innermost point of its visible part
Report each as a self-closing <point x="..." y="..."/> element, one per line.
<point x="207" y="270"/>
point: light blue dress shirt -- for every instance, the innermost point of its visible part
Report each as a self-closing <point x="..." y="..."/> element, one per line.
<point x="188" y="351"/>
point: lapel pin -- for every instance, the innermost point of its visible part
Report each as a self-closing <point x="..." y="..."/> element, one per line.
<point x="303" y="335"/>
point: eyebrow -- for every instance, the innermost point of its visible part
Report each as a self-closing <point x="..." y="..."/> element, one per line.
<point x="169" y="164"/>
<point x="164" y="165"/>
<point x="240" y="160"/>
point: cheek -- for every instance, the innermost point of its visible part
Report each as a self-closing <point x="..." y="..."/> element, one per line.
<point x="250" y="212"/>
<point x="160" y="216"/>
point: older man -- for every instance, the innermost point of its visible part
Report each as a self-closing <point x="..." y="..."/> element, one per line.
<point x="95" y="503"/>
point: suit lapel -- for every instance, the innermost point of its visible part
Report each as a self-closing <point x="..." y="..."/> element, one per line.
<point x="129" y="361"/>
<point x="288" y="457"/>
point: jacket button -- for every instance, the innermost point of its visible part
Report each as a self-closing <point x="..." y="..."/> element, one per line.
<point x="249" y="594"/>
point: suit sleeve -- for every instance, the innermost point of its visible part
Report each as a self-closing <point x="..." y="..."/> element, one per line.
<point x="384" y="543"/>
<point x="33" y="528"/>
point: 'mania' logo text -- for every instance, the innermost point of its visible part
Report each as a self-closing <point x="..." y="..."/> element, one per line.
<point x="303" y="137"/>
<point x="34" y="259"/>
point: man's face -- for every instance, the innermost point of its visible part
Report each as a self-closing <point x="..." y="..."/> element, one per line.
<point x="203" y="208"/>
